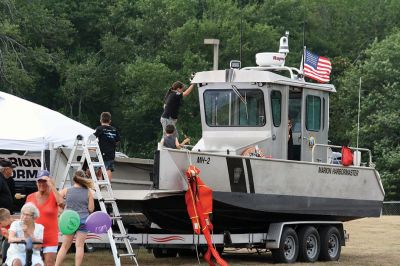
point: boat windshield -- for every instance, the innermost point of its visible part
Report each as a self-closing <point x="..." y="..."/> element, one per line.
<point x="224" y="108"/>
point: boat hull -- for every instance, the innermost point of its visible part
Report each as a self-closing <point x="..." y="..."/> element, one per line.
<point x="239" y="212"/>
<point x="249" y="193"/>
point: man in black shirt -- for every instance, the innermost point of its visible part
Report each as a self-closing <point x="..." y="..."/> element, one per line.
<point x="108" y="137"/>
<point x="7" y="187"/>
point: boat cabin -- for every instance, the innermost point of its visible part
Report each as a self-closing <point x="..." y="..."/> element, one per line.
<point x="246" y="111"/>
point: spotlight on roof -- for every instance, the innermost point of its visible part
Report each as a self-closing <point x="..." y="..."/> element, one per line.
<point x="235" y="64"/>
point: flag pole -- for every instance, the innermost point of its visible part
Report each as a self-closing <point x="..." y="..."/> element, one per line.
<point x="357" y="153"/>
<point x="301" y="64"/>
<point x="303" y="58"/>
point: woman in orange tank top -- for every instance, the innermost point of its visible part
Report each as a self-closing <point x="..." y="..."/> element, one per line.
<point x="47" y="199"/>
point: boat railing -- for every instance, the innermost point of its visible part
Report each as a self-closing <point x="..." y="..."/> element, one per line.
<point x="187" y="147"/>
<point x="218" y="151"/>
<point x="190" y="148"/>
<point x="370" y="163"/>
<point x="298" y="75"/>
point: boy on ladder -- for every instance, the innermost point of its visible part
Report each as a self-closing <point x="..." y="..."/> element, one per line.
<point x="108" y="137"/>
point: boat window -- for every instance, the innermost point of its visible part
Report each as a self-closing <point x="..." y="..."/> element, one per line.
<point x="295" y="110"/>
<point x="276" y="103"/>
<point x="225" y="108"/>
<point x="313" y="113"/>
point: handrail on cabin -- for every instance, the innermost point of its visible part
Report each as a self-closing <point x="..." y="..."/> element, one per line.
<point x="339" y="147"/>
<point x="290" y="69"/>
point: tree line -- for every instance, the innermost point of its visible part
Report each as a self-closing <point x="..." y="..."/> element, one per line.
<point x="88" y="56"/>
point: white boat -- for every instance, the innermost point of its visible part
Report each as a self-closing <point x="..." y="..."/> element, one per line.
<point x="243" y="158"/>
<point x="290" y="199"/>
<point x="243" y="155"/>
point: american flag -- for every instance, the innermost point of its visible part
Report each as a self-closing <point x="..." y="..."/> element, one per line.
<point x="317" y="67"/>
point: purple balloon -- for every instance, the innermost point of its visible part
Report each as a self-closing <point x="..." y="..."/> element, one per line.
<point x="98" y="222"/>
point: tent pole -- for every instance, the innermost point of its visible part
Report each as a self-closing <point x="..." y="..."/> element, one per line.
<point x="42" y="157"/>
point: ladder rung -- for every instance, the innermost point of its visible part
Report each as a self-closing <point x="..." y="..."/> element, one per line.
<point x="76" y="164"/>
<point x="107" y="200"/>
<point x="103" y="182"/>
<point x="120" y="236"/>
<point x="116" y="218"/>
<point x="97" y="164"/>
<point x="90" y="146"/>
<point x="127" y="255"/>
<point x="79" y="145"/>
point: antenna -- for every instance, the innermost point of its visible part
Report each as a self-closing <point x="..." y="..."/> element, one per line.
<point x="304" y="24"/>
<point x="303" y="57"/>
<point x="357" y="153"/>
<point x="304" y="33"/>
<point x="241" y="36"/>
<point x="359" y="109"/>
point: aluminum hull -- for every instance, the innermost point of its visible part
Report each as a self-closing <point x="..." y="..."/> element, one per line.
<point x="237" y="212"/>
<point x="250" y="193"/>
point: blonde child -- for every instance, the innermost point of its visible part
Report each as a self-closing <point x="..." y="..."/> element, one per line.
<point x="5" y="222"/>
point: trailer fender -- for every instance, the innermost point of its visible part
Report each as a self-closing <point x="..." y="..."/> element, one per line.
<point x="275" y="231"/>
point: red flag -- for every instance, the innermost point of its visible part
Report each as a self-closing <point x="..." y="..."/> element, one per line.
<point x="347" y="156"/>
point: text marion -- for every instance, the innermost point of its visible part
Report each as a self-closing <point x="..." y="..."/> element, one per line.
<point x="337" y="171"/>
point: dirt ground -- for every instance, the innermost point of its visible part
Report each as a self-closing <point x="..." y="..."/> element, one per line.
<point x="373" y="241"/>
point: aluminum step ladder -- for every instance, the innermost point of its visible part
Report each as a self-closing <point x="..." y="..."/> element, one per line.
<point x="83" y="152"/>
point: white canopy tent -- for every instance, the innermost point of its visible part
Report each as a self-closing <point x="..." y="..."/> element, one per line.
<point x="32" y="127"/>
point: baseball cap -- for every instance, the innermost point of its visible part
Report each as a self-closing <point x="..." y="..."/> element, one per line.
<point x="7" y="163"/>
<point x="42" y="173"/>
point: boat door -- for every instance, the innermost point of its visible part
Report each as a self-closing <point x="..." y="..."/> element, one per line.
<point x="314" y="126"/>
<point x="278" y="104"/>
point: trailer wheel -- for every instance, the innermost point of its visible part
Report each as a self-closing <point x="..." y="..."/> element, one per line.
<point x="288" y="247"/>
<point x="309" y="244"/>
<point x="220" y="249"/>
<point x="187" y="253"/>
<point x="330" y="244"/>
<point x="165" y="252"/>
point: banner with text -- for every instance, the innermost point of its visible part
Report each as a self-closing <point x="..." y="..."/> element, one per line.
<point x="27" y="166"/>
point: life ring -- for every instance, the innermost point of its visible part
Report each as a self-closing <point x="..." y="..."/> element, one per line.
<point x="254" y="152"/>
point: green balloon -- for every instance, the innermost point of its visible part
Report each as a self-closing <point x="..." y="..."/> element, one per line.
<point x="69" y="222"/>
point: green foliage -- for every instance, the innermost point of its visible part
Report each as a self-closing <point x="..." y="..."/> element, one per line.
<point x="379" y="116"/>
<point x="143" y="88"/>
<point x="80" y="84"/>
<point x="85" y="57"/>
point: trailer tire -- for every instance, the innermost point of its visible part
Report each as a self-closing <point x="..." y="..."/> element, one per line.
<point x="220" y="249"/>
<point x="330" y="244"/>
<point x="164" y="252"/>
<point x="309" y="244"/>
<point x="288" y="250"/>
<point x="187" y="253"/>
